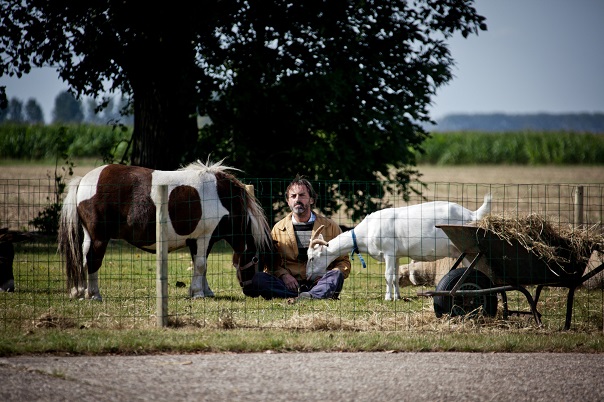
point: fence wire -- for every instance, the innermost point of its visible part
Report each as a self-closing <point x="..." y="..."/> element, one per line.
<point x="128" y="283"/>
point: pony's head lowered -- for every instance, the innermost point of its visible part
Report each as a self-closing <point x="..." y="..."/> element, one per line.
<point x="245" y="228"/>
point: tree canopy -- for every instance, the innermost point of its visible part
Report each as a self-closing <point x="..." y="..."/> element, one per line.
<point x="67" y="109"/>
<point x="332" y="90"/>
<point x="33" y="112"/>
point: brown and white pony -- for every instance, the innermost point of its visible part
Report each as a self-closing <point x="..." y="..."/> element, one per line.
<point x="205" y="204"/>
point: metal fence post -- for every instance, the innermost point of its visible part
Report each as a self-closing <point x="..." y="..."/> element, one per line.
<point x="161" y="274"/>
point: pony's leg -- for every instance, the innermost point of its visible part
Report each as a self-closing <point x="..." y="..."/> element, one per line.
<point x="93" y="292"/>
<point x="391" y="274"/>
<point x="199" y="282"/>
<point x="8" y="286"/>
<point x="206" y="286"/>
<point x="94" y="259"/>
<point x="80" y="292"/>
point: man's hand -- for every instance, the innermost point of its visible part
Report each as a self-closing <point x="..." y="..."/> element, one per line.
<point x="290" y="282"/>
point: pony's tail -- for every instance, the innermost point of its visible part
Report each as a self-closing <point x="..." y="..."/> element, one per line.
<point x="70" y="238"/>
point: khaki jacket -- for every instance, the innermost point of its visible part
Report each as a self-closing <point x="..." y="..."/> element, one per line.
<point x="283" y="233"/>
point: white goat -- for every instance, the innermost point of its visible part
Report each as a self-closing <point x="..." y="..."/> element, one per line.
<point x="392" y="233"/>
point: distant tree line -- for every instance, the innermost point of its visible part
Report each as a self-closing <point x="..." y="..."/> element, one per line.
<point x="67" y="109"/>
<point x="500" y="122"/>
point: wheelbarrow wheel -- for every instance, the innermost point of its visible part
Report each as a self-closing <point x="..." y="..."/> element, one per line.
<point x="462" y="305"/>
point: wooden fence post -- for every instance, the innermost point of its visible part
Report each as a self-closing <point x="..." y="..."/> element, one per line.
<point x="161" y="274"/>
<point x="578" y="206"/>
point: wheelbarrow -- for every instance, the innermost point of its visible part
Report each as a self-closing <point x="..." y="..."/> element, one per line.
<point x="512" y="267"/>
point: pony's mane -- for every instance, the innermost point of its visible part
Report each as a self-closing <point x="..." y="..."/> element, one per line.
<point x="208" y="167"/>
<point x="260" y="227"/>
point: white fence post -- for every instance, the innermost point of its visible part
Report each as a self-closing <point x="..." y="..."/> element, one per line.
<point x="161" y="274"/>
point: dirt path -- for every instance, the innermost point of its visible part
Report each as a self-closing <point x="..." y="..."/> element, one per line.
<point x="500" y="174"/>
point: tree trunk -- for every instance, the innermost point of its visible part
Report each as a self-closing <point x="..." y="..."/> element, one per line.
<point x="165" y="127"/>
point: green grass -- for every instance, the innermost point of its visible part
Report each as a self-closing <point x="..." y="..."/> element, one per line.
<point x="153" y="341"/>
<point x="40" y="317"/>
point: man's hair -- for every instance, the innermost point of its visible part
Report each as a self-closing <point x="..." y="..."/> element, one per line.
<point x="301" y="181"/>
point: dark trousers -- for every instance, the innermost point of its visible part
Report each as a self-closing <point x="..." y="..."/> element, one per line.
<point x="269" y="286"/>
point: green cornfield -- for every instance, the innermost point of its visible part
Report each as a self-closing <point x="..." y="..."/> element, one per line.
<point x="37" y="142"/>
<point x="513" y="148"/>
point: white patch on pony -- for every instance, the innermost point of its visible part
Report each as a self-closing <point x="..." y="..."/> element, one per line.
<point x="203" y="179"/>
<point x="88" y="185"/>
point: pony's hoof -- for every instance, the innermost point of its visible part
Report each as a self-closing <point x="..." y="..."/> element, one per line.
<point x="8" y="286"/>
<point x="202" y="295"/>
<point x="76" y="293"/>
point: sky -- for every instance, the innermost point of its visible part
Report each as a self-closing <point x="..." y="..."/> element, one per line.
<point x="537" y="56"/>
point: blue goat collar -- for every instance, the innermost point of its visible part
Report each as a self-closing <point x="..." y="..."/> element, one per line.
<point x="355" y="249"/>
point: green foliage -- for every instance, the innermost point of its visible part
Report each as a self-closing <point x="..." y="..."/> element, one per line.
<point x="513" y="148"/>
<point x="332" y="90"/>
<point x="34" y="142"/>
<point x="47" y="220"/>
<point x="61" y="143"/>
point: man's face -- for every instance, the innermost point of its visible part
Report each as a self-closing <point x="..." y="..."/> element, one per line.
<point x="299" y="200"/>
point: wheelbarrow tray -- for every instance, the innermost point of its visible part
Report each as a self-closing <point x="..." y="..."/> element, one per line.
<point x="512" y="263"/>
<point x="512" y="267"/>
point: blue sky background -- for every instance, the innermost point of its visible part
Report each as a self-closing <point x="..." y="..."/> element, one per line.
<point x="537" y="56"/>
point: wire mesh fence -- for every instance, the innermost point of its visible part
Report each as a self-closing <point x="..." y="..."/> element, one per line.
<point x="128" y="274"/>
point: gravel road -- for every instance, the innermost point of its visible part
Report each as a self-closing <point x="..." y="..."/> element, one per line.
<point x="306" y="377"/>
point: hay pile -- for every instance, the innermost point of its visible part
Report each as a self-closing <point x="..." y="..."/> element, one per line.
<point x="553" y="244"/>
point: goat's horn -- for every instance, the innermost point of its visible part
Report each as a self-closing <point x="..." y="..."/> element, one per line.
<point x="320" y="241"/>
<point x="316" y="237"/>
<point x="317" y="232"/>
